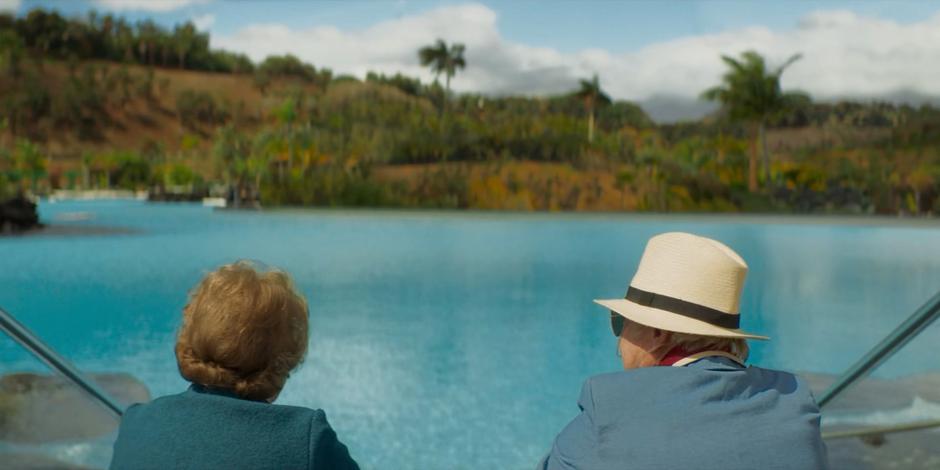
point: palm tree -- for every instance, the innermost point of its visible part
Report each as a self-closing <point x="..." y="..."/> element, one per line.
<point x="149" y="35"/>
<point x="184" y="38"/>
<point x="124" y="38"/>
<point x="443" y="59"/>
<point x="11" y="53"/>
<point x="232" y="150"/>
<point x="751" y="93"/>
<point x="593" y="97"/>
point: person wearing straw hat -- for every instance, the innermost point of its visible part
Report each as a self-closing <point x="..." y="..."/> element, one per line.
<point x="685" y="398"/>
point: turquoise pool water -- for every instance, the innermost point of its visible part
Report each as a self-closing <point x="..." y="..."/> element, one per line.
<point x="448" y="340"/>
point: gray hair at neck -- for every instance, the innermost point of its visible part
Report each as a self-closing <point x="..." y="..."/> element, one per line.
<point x="694" y="343"/>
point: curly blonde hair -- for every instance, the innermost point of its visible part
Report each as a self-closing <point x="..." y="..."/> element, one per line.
<point x="244" y="331"/>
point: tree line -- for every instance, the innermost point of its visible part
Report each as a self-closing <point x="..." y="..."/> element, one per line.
<point x="109" y="37"/>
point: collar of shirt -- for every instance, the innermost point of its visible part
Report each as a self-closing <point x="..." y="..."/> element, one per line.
<point x="679" y="356"/>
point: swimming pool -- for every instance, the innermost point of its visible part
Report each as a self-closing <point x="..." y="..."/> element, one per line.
<point x="449" y="340"/>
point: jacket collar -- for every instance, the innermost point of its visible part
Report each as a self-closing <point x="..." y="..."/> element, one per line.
<point x="715" y="362"/>
<point x="203" y="390"/>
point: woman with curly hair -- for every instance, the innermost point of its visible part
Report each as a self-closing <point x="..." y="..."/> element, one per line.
<point x="243" y="332"/>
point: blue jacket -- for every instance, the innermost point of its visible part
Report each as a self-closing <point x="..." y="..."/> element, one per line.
<point x="202" y="429"/>
<point x="711" y="414"/>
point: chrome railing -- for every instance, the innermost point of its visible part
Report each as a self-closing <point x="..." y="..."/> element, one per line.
<point x="26" y="338"/>
<point x="906" y="331"/>
<point x="921" y="319"/>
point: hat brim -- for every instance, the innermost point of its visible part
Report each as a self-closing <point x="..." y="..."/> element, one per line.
<point x="665" y="320"/>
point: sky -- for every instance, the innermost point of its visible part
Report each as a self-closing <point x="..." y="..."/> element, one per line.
<point x="661" y="54"/>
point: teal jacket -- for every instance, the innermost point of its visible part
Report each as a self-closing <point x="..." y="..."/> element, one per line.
<point x="202" y="429"/>
<point x="711" y="414"/>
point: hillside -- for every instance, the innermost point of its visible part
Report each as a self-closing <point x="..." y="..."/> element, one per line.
<point x="138" y="104"/>
<point x="144" y="108"/>
<point x="352" y="128"/>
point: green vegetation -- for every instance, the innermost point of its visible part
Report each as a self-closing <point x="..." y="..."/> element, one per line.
<point x="593" y="97"/>
<point x="112" y="38"/>
<point x="751" y="94"/>
<point x="96" y="102"/>
<point x="445" y="59"/>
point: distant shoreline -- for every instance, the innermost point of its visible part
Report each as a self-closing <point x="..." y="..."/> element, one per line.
<point x="57" y="228"/>
<point x="54" y="230"/>
<point x="741" y="217"/>
<point x="60" y="195"/>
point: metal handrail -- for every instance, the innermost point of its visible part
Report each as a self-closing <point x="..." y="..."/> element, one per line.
<point x="917" y="322"/>
<point x="32" y="343"/>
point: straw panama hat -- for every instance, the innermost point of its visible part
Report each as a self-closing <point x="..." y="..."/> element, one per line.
<point x="687" y="284"/>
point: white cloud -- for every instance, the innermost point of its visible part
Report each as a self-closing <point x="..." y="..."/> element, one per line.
<point x="844" y="55"/>
<point x="148" y="5"/>
<point x="204" y="22"/>
<point x="10" y="5"/>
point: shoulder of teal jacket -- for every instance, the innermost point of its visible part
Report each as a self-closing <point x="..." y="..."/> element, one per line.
<point x="326" y="450"/>
<point x="319" y="423"/>
<point x="190" y="405"/>
<point x="142" y="410"/>
<point x="133" y="408"/>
